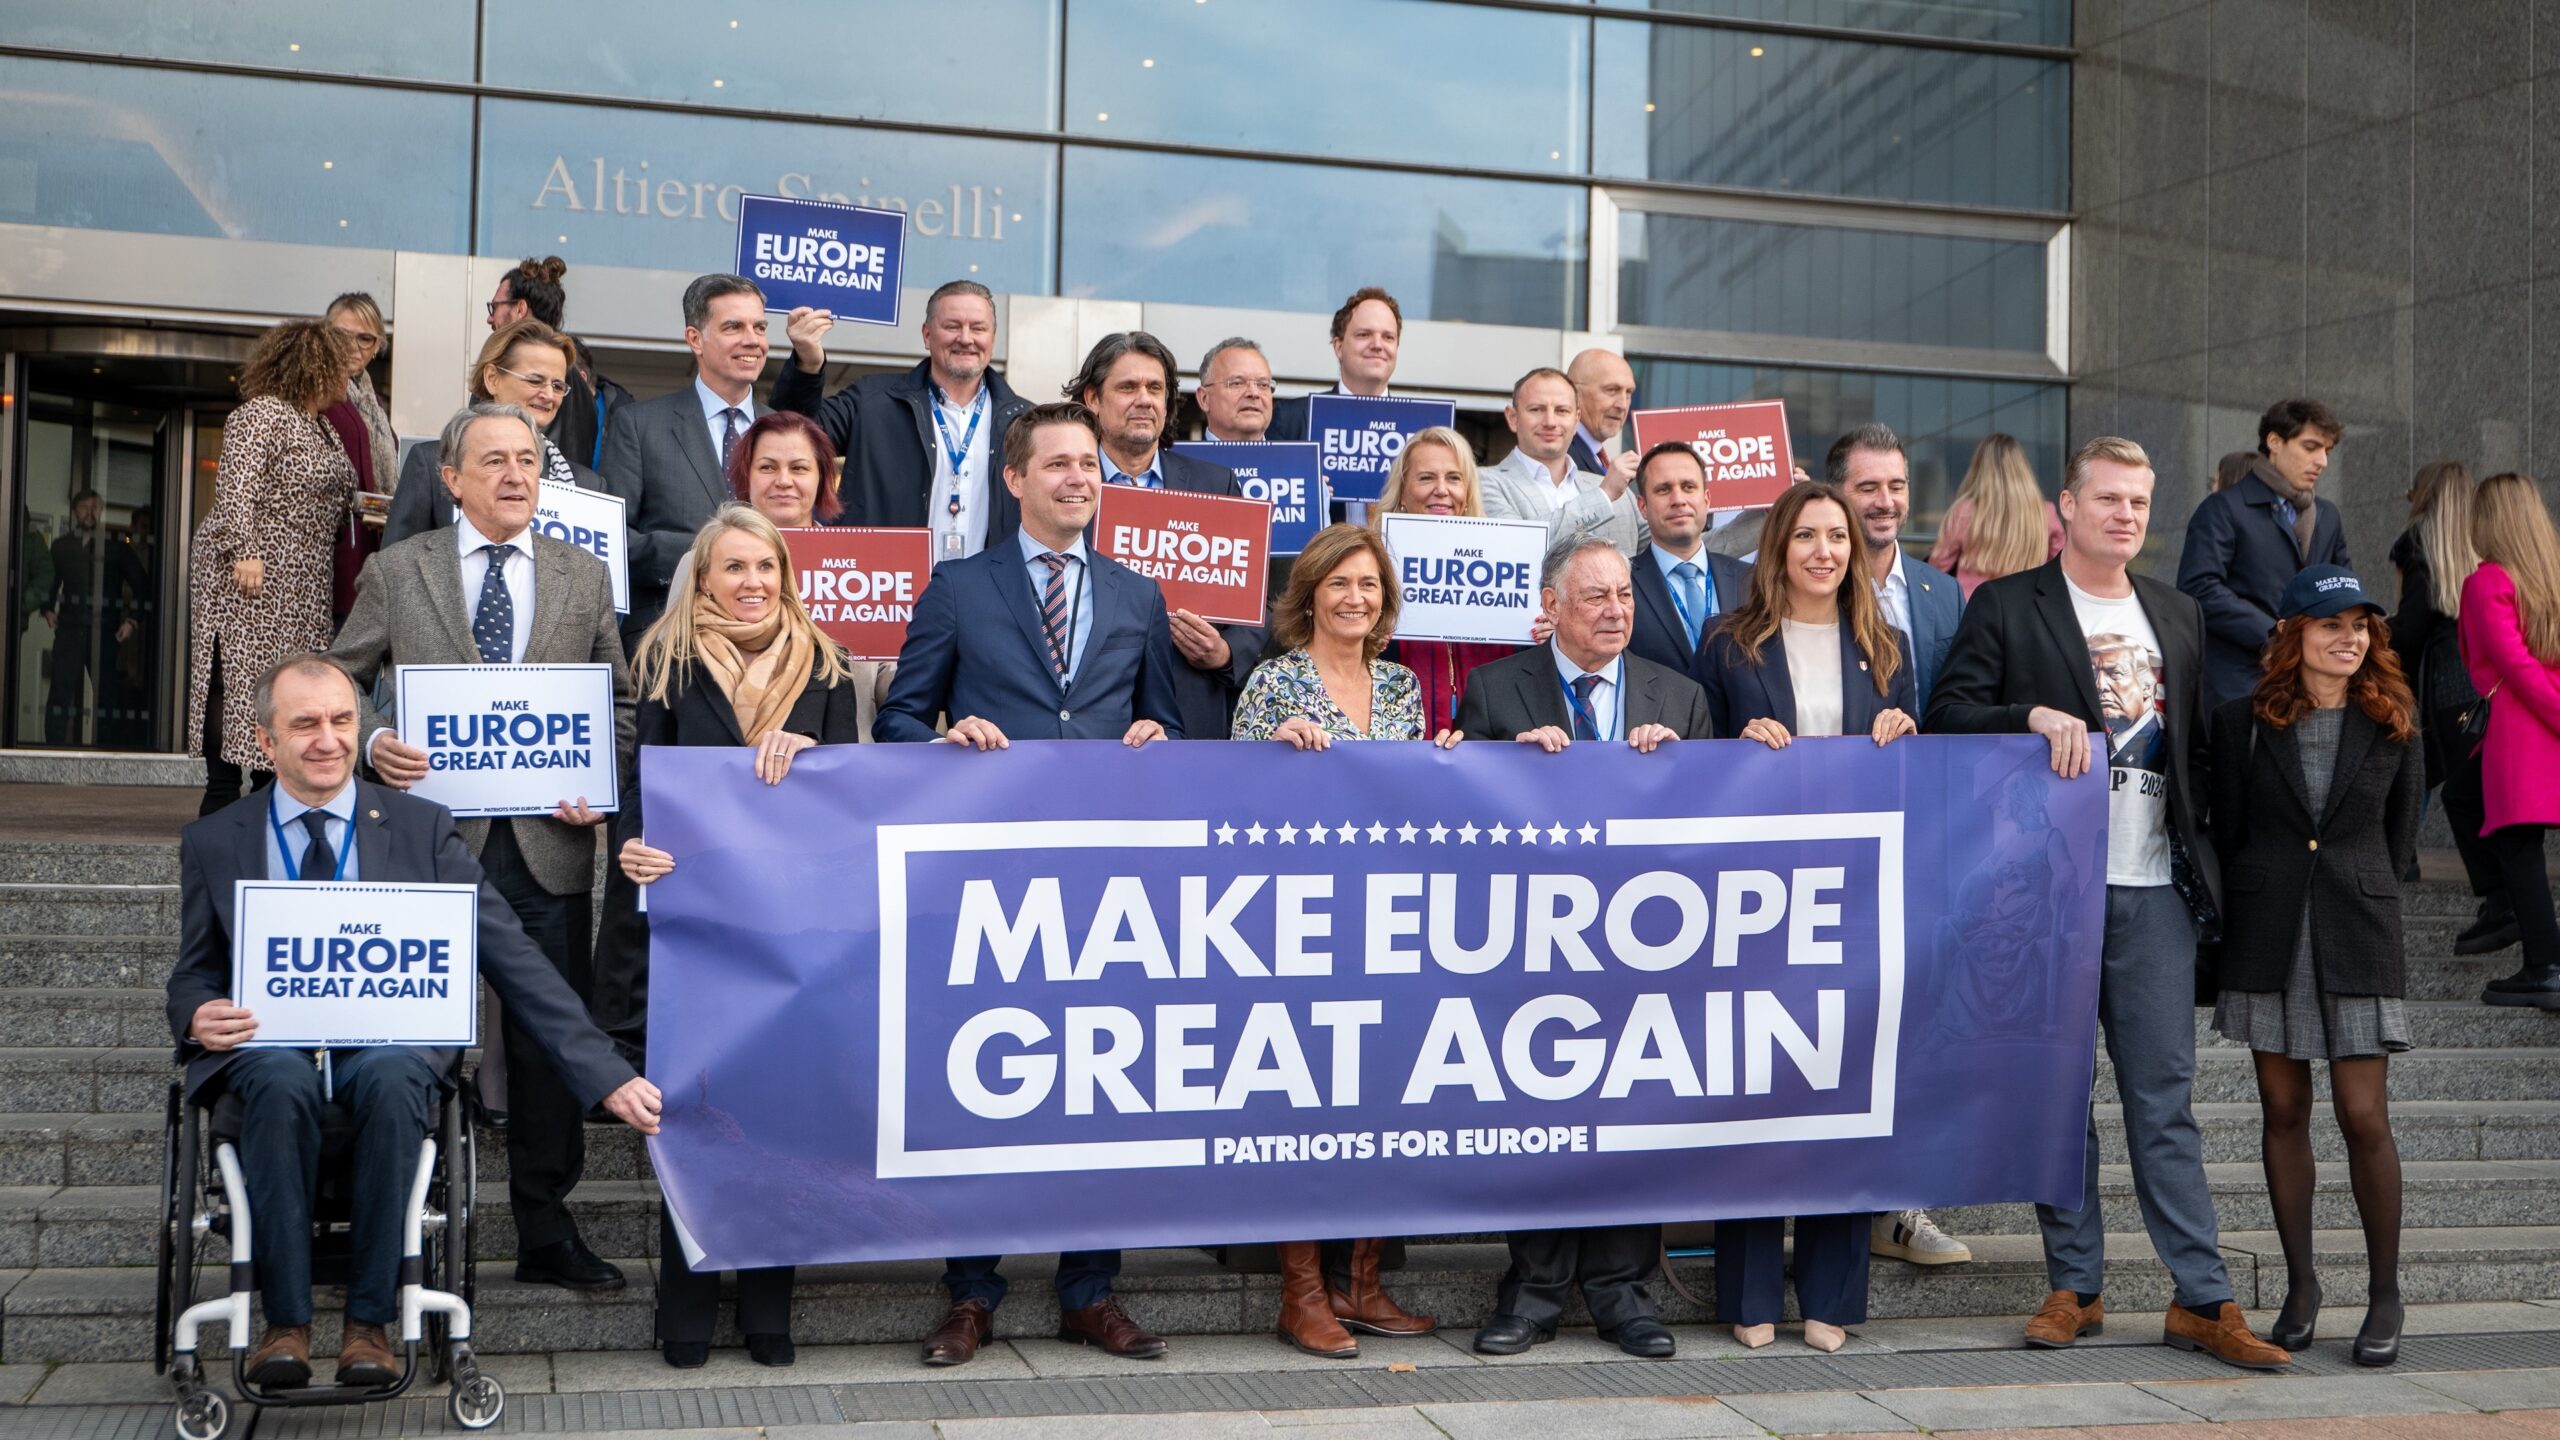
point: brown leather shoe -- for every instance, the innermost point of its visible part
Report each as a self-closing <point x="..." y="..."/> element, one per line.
<point x="2064" y="1319"/>
<point x="1306" y="1315"/>
<point x="966" y="1328"/>
<point x="364" y="1356"/>
<point x="1365" y="1307"/>
<point x="2225" y="1337"/>
<point x="282" y="1360"/>
<point x="1105" y="1324"/>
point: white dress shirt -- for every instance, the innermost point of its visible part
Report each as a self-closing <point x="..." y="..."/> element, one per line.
<point x="1608" y="701"/>
<point x="712" y="405"/>
<point x="1893" y="592"/>
<point x="969" y="481"/>
<point x="519" y="574"/>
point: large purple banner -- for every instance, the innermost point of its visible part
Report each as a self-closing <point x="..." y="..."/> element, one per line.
<point x="920" y="1001"/>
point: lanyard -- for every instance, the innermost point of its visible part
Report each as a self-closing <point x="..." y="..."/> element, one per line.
<point x="1687" y="622"/>
<point x="1574" y="703"/>
<point x="958" y="454"/>
<point x="293" y="867"/>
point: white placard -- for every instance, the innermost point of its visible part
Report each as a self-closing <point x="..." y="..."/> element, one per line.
<point x="512" y="739"/>
<point x="592" y="520"/>
<point x="355" y="964"/>
<point x="1466" y="579"/>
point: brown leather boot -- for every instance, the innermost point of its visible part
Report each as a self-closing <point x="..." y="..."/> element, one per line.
<point x="1365" y="1307"/>
<point x="2225" y="1337"/>
<point x="1306" y="1318"/>
<point x="364" y="1356"/>
<point x="282" y="1360"/>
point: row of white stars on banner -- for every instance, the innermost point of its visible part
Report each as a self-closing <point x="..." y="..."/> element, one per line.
<point x="1378" y="833"/>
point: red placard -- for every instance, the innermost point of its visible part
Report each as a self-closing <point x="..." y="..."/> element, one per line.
<point x="861" y="583"/>
<point x="1743" y="446"/>
<point x="1211" y="555"/>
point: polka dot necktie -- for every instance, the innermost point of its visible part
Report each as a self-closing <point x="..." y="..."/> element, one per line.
<point x="493" y="625"/>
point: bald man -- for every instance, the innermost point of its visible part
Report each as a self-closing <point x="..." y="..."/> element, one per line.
<point x="1604" y="390"/>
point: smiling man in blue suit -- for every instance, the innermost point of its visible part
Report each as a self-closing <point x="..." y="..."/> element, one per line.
<point x="1924" y="603"/>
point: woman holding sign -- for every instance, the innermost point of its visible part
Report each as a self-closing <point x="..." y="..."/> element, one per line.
<point x="742" y="664"/>
<point x="1804" y="655"/>
<point x="1333" y="683"/>
<point x="1435" y="475"/>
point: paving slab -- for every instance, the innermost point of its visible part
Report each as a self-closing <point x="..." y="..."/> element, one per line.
<point x="1817" y="1412"/>
<point x="860" y="1430"/>
<point x="119" y="1383"/>
<point x="1395" y="1423"/>
<point x="17" y="1382"/>
<point x="2294" y="1397"/>
<point x="1245" y="1426"/>
<point x="2497" y="1389"/>
<point x="2029" y="1406"/>
<point x="1589" y="1420"/>
<point x="1218" y="1355"/>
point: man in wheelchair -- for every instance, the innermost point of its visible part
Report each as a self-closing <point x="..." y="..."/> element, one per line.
<point x="317" y="821"/>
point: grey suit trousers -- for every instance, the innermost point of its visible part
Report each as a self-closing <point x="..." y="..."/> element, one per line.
<point x="2146" y="1006"/>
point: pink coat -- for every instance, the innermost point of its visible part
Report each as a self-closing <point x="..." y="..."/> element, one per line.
<point x="2520" y="769"/>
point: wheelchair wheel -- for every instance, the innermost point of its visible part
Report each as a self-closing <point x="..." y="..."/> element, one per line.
<point x="477" y="1402"/>
<point x="205" y="1415"/>
<point x="181" y="1155"/>
<point x="462" y="1272"/>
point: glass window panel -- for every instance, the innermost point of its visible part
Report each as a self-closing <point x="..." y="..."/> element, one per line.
<point x="1825" y="283"/>
<point x="1940" y="419"/>
<point x="952" y="62"/>
<point x="1830" y="117"/>
<point x="1197" y="231"/>
<point x="429" y="41"/>
<point x="625" y="187"/>
<point x="1414" y="80"/>
<point x="2009" y="22"/>
<point x="105" y="147"/>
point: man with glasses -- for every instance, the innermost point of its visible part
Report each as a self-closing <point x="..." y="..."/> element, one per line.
<point x="1236" y="392"/>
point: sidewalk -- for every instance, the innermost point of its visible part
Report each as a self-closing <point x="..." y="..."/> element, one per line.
<point x="2479" y="1370"/>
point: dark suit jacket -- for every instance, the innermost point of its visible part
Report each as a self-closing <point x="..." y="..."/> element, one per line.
<point x="1937" y="605"/>
<point x="1742" y="688"/>
<point x="1584" y="457"/>
<point x="1524" y="690"/>
<point x="2265" y="822"/>
<point x="1659" y="635"/>
<point x="1207" y="698"/>
<point x="2020" y="646"/>
<point x="1289" y="415"/>
<point x="697" y="712"/>
<point x="974" y="647"/>
<point x="883" y="427"/>
<point x="421" y="503"/>
<point x="658" y="456"/>
<point x="401" y="839"/>
<point x="2239" y="557"/>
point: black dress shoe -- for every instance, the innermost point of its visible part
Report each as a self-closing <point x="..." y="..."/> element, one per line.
<point x="2538" y="989"/>
<point x="2488" y="934"/>
<point x="568" y="1264"/>
<point x="687" y="1354"/>
<point x="2378" y="1341"/>
<point x="1511" y="1335"/>
<point x="775" y="1350"/>
<point x="1643" y="1337"/>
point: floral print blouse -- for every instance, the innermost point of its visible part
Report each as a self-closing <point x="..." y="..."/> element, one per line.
<point x="1283" y="689"/>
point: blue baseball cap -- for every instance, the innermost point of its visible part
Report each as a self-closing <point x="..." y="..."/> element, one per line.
<point x="2322" y="590"/>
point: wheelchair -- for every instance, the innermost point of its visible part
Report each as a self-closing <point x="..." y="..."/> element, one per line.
<point x="202" y="1195"/>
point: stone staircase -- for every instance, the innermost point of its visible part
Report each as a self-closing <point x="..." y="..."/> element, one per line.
<point x="88" y="931"/>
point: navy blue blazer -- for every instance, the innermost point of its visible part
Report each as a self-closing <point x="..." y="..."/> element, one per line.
<point x="399" y="838"/>
<point x="974" y="647"/>
<point x="1937" y="607"/>
<point x="2239" y="557"/>
<point x="1659" y="635"/>
<point x="1739" y="691"/>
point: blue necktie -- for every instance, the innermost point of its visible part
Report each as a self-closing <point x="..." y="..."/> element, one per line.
<point x="319" y="858"/>
<point x="1693" y="598"/>
<point x="1586" y="724"/>
<point x="729" y="432"/>
<point x="493" y="625"/>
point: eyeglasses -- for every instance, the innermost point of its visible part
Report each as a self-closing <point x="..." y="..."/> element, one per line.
<point x="365" y="338"/>
<point x="1247" y="385"/>
<point x="539" y="382"/>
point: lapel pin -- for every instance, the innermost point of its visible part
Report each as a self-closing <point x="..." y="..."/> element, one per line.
<point x="373" y="814"/>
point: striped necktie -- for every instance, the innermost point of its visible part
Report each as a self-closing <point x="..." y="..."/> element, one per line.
<point x="1053" y="613"/>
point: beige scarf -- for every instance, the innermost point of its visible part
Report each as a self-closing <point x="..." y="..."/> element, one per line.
<point x="762" y="666"/>
<point x="2306" y="510"/>
<point x="377" y="428"/>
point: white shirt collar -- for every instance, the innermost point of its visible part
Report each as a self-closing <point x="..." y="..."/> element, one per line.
<point x="468" y="537"/>
<point x="1033" y="549"/>
<point x="1895" y="579"/>
<point x="1571" y="672"/>
<point x="712" y="404"/>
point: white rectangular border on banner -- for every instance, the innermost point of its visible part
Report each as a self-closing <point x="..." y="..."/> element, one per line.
<point x="460" y="795"/>
<point x="1519" y="541"/>
<point x="894" y="1160"/>
<point x="263" y="908"/>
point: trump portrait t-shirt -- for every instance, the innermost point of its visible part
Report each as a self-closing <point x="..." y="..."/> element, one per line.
<point x="2124" y="652"/>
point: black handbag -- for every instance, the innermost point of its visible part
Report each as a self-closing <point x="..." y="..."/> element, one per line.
<point x="2474" y="722"/>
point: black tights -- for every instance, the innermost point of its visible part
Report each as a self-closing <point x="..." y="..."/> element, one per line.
<point x="224" y="782"/>
<point x="2518" y="849"/>
<point x="2360" y="1094"/>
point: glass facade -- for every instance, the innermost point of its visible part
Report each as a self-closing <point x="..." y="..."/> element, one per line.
<point x="1763" y="179"/>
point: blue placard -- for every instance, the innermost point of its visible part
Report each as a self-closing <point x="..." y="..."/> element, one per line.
<point x="1283" y="472"/>
<point x="841" y="258"/>
<point x="1361" y="435"/>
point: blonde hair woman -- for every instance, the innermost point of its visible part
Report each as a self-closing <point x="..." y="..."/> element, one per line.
<point x="2000" y="522"/>
<point x="2510" y="631"/>
<point x="2434" y="558"/>
<point x="1436" y="474"/>
<point x="735" y="660"/>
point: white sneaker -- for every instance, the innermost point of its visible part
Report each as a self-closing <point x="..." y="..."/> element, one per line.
<point x="1911" y="1235"/>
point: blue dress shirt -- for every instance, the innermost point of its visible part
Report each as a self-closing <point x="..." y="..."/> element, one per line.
<point x="1079" y="582"/>
<point x="287" y="813"/>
